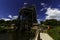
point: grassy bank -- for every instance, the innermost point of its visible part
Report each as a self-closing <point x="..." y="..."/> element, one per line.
<point x="55" y="33"/>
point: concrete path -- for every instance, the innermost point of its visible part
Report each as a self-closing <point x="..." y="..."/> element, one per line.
<point x="45" y="36"/>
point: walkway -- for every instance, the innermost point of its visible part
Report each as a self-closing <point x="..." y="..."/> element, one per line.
<point x="45" y="36"/>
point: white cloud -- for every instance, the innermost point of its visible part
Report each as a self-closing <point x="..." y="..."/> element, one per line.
<point x="53" y="13"/>
<point x="10" y="16"/>
<point x="6" y="19"/>
<point x="42" y="3"/>
<point x="58" y="5"/>
<point x="25" y="3"/>
<point x="14" y="17"/>
<point x="38" y="20"/>
<point x="43" y="8"/>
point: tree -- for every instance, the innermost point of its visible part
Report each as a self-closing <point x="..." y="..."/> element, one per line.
<point x="52" y="22"/>
<point x="42" y="22"/>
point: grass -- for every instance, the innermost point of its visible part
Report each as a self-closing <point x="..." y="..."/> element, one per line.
<point x="55" y="33"/>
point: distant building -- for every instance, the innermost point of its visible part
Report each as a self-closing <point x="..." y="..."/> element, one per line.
<point x="35" y="26"/>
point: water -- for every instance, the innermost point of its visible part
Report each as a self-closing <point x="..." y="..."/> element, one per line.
<point x="4" y="36"/>
<point x="15" y="36"/>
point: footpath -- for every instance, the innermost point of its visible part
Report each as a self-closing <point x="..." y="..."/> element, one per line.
<point x="44" y="36"/>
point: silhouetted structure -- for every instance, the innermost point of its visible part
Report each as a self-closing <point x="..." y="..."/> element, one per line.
<point x="27" y="16"/>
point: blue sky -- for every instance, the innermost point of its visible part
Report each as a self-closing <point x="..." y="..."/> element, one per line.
<point x="10" y="8"/>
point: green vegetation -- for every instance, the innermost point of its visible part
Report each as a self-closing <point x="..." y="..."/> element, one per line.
<point x="54" y="30"/>
<point x="55" y="33"/>
<point x="1" y="28"/>
<point x="6" y="24"/>
<point x="33" y="32"/>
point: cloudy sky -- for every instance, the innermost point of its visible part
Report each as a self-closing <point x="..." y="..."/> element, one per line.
<point x="46" y="9"/>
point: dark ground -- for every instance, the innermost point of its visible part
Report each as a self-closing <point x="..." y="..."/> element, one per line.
<point x="4" y="36"/>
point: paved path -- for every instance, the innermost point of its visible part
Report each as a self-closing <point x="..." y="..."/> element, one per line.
<point x="45" y="36"/>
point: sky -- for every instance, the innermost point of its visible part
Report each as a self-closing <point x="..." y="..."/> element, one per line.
<point x="46" y="9"/>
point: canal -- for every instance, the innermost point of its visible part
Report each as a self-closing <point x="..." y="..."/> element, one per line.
<point x="16" y="36"/>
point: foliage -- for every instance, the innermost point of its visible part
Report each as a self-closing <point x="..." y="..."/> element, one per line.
<point x="52" y="22"/>
<point x="1" y="28"/>
<point x="4" y="24"/>
<point x="55" y="33"/>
